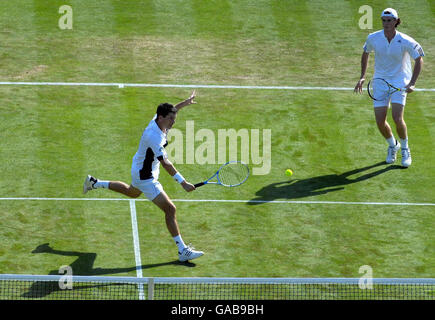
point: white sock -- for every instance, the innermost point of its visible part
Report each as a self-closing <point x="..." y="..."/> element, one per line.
<point x="391" y="141"/>
<point x="404" y="142"/>
<point x="180" y="243"/>
<point x="101" y="184"/>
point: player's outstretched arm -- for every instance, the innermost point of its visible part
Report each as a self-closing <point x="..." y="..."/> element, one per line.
<point x="169" y="167"/>
<point x="186" y="102"/>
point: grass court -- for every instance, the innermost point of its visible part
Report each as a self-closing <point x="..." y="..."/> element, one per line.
<point x="356" y="210"/>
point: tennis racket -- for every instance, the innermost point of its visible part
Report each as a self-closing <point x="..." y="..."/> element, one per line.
<point x="231" y="174"/>
<point x="379" y="89"/>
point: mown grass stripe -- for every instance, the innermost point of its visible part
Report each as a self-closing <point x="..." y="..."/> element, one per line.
<point x="234" y="201"/>
<point x="192" y="86"/>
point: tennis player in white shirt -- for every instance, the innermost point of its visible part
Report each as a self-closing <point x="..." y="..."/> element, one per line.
<point x="393" y="52"/>
<point x="145" y="173"/>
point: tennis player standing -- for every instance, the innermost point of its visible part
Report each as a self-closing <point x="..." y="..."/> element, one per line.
<point x="393" y="50"/>
<point x="145" y="173"/>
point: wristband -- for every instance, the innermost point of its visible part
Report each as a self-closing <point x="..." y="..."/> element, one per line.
<point x="178" y="177"/>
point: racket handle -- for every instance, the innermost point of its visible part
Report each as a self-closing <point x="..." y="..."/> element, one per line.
<point x="199" y="184"/>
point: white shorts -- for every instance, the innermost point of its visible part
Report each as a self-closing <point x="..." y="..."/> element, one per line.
<point x="397" y="97"/>
<point x="151" y="188"/>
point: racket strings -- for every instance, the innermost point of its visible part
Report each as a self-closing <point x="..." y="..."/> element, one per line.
<point x="233" y="174"/>
<point x="379" y="89"/>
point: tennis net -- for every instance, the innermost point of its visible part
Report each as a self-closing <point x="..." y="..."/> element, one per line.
<point x="53" y="287"/>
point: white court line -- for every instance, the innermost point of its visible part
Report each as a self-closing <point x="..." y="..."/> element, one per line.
<point x="236" y="201"/>
<point x="136" y="248"/>
<point x="192" y="86"/>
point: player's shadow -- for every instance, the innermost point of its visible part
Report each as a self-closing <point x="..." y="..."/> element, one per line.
<point x="314" y="186"/>
<point x="82" y="266"/>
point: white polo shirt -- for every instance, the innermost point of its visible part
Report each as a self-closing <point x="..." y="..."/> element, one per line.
<point x="392" y="59"/>
<point x="151" y="148"/>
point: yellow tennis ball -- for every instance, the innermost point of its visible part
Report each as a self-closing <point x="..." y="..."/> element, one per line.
<point x="288" y="172"/>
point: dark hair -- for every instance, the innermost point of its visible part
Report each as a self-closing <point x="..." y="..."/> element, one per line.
<point x="398" y="22"/>
<point x="164" y="109"/>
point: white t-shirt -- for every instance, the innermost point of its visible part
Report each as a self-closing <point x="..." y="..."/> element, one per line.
<point x="392" y="59"/>
<point x="151" y="148"/>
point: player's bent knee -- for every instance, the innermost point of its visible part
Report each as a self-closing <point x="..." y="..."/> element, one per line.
<point x="132" y="192"/>
<point x="398" y="119"/>
<point x="381" y="123"/>
<point x="171" y="210"/>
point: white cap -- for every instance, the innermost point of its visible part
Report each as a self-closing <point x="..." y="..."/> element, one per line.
<point x="390" y="12"/>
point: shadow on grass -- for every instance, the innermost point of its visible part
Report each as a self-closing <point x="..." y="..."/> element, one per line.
<point x="83" y="266"/>
<point x="295" y="188"/>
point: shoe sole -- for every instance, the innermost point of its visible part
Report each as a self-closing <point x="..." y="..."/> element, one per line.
<point x="86" y="184"/>
<point x="406" y="165"/>
<point x="191" y="258"/>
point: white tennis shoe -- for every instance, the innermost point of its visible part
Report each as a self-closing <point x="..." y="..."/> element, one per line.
<point x="392" y="153"/>
<point x="189" y="253"/>
<point x="89" y="183"/>
<point x="406" y="157"/>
